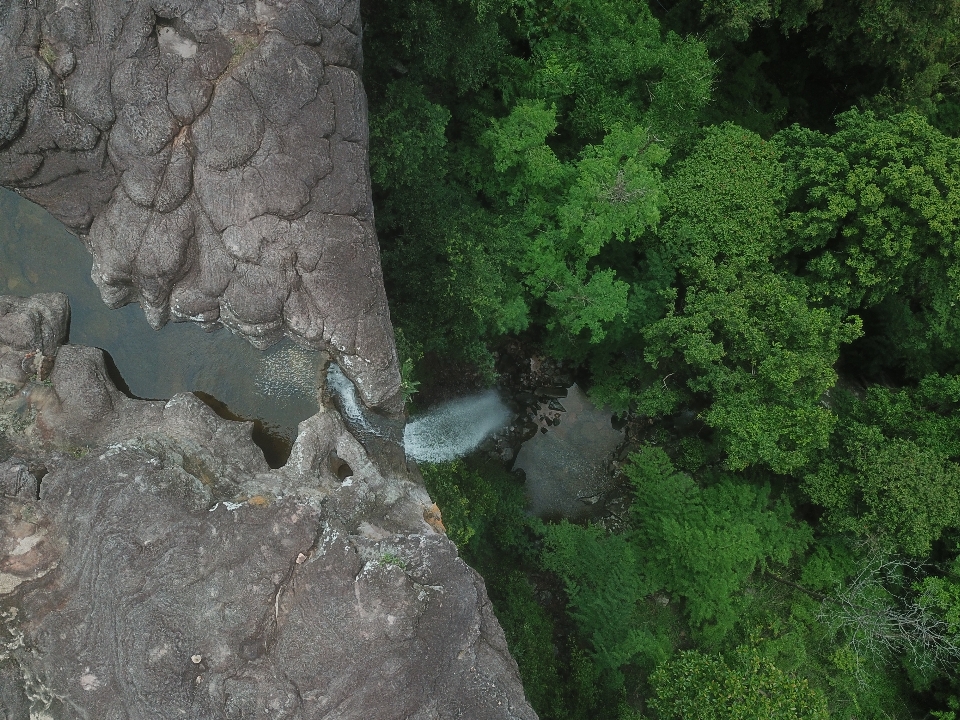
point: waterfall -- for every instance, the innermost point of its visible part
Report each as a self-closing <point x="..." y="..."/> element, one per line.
<point x="455" y="428"/>
<point x="350" y="405"/>
<point x="445" y="432"/>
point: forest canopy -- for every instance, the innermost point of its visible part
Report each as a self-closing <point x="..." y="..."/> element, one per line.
<point x="748" y="210"/>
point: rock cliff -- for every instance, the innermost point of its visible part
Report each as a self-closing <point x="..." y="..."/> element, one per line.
<point x="212" y="154"/>
<point x="153" y="566"/>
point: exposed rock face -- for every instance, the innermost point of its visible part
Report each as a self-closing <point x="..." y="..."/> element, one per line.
<point x="213" y="156"/>
<point x="153" y="566"/>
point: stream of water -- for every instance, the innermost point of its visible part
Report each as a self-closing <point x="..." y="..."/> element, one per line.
<point x="444" y="432"/>
<point x="455" y="428"/>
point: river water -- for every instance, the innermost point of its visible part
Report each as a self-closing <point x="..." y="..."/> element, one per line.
<point x="276" y="388"/>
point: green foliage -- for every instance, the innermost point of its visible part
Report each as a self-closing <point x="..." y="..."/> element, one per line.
<point x="882" y="616"/>
<point x="791" y="622"/>
<point x="609" y="63"/>
<point x="605" y="586"/>
<point x="464" y="497"/>
<point x="595" y="176"/>
<point x="875" y="214"/>
<point x="697" y="545"/>
<point x="910" y="46"/>
<point x="47" y="52"/>
<point x="408" y="386"/>
<point x="529" y="630"/>
<point x="741" y="331"/>
<point x="409" y="138"/>
<point x="447" y="269"/>
<point x="409" y="354"/>
<point x="894" y="52"/>
<point x="483" y="511"/>
<point x="494" y="209"/>
<point x="892" y="469"/>
<point x="703" y="543"/>
<point x="611" y="196"/>
<point x="393" y="559"/>
<point x="901" y="491"/>
<point x="521" y="157"/>
<point x="876" y="193"/>
<point x="696" y="686"/>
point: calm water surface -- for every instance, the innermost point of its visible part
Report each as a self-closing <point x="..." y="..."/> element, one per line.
<point x="276" y="387"/>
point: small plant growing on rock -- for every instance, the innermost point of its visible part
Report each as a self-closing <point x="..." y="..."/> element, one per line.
<point x="28" y="513"/>
<point x="408" y="386"/>
<point x="389" y="558"/>
<point x="242" y="44"/>
<point x="412" y="353"/>
<point x="47" y="53"/>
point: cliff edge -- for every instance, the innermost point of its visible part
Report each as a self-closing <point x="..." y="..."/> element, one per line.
<point x="153" y="566"/>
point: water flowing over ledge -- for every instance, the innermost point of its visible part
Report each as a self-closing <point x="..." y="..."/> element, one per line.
<point x="445" y="432"/>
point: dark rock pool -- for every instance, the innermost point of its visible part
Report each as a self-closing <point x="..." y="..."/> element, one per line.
<point x="275" y="388"/>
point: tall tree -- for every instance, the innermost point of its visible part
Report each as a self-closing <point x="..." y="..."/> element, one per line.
<point x="741" y="337"/>
<point x="875" y="213"/>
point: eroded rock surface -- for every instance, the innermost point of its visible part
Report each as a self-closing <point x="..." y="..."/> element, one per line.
<point x="213" y="156"/>
<point x="153" y="566"/>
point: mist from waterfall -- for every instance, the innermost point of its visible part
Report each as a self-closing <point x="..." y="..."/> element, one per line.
<point x="455" y="428"/>
<point x="445" y="432"/>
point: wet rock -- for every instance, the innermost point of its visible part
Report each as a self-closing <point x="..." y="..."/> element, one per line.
<point x="552" y="392"/>
<point x="211" y="154"/>
<point x="165" y="571"/>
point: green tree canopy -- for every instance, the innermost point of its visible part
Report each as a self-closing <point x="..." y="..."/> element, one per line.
<point x="696" y="686"/>
<point x="892" y="468"/>
<point x="903" y="51"/>
<point x="742" y="336"/>
<point x="874" y="221"/>
<point x="696" y="545"/>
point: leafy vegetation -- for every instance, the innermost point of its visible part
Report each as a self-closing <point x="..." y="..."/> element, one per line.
<point x="745" y="210"/>
<point x="695" y="686"/>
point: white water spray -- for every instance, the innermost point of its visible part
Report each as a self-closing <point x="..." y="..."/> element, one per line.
<point x="443" y="433"/>
<point x="455" y="428"/>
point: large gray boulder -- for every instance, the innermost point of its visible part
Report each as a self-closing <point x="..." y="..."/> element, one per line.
<point x="212" y="155"/>
<point x="153" y="566"/>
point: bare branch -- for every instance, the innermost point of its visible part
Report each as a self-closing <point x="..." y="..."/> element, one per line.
<point x="618" y="192"/>
<point x="880" y="623"/>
